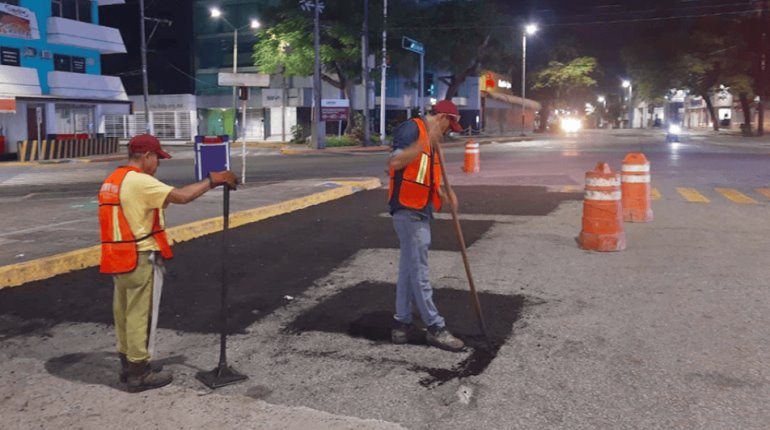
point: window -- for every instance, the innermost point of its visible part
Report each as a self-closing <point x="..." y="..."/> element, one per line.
<point x="9" y="56"/>
<point x="74" y="119"/>
<point x="66" y="63"/>
<point x="79" y="10"/>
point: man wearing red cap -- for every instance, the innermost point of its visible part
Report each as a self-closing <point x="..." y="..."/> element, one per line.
<point x="415" y="191"/>
<point x="134" y="245"/>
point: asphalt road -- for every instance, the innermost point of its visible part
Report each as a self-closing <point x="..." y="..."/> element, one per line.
<point x="668" y="334"/>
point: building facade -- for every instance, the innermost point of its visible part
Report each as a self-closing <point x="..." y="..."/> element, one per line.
<point x="50" y="70"/>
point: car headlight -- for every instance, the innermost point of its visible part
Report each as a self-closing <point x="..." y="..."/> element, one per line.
<point x="674" y="129"/>
<point x="570" y="125"/>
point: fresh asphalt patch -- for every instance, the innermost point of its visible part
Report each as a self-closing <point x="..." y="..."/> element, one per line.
<point x="273" y="260"/>
<point x="365" y="311"/>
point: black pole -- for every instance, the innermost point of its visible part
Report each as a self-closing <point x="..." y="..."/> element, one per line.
<point x="223" y="374"/>
<point x="223" y="312"/>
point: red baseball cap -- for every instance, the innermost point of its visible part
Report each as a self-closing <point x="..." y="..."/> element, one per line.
<point x="446" y="106"/>
<point x="146" y="143"/>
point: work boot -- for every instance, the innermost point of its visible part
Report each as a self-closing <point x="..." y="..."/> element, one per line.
<point x="141" y="377"/>
<point x="441" y="338"/>
<point x="124" y="367"/>
<point x="399" y="334"/>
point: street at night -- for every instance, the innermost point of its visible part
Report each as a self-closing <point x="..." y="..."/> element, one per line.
<point x="679" y="313"/>
<point x="384" y="214"/>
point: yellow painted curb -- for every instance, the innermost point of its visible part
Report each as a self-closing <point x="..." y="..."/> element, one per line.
<point x="43" y="268"/>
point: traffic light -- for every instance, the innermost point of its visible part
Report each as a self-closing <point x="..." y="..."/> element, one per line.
<point x="430" y="88"/>
<point x="243" y="93"/>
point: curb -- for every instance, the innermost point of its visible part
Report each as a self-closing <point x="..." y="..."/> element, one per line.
<point x="14" y="275"/>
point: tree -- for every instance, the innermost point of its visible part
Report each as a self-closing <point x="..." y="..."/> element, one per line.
<point x="559" y="84"/>
<point x="460" y="37"/>
<point x="287" y="46"/>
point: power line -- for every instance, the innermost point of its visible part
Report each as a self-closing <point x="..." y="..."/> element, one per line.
<point x="615" y="21"/>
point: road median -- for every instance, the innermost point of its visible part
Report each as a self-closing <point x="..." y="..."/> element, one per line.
<point x="14" y="275"/>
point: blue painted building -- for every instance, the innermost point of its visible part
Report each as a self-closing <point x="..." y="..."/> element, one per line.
<point x="50" y="70"/>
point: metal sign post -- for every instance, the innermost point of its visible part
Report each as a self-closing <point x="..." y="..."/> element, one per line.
<point x="418" y="48"/>
<point x="39" y="120"/>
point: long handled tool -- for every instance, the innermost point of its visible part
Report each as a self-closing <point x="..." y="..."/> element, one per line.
<point x="223" y="374"/>
<point x="461" y="239"/>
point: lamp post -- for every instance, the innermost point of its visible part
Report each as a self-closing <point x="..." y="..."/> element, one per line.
<point x="529" y="29"/>
<point x="627" y="84"/>
<point x="603" y="101"/>
<point x="216" y="13"/>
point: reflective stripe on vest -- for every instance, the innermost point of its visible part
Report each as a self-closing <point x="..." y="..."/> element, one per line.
<point x="119" y="245"/>
<point x="421" y="179"/>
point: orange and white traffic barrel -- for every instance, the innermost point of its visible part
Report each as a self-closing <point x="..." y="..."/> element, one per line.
<point x="636" y="189"/>
<point x="472" y="163"/>
<point x="602" y="211"/>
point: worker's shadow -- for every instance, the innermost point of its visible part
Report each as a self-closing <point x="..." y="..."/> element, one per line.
<point x="97" y="368"/>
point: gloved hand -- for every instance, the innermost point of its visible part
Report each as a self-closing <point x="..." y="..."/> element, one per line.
<point x="224" y="177"/>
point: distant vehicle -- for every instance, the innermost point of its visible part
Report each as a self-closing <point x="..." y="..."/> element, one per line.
<point x="674" y="132"/>
<point x="570" y="125"/>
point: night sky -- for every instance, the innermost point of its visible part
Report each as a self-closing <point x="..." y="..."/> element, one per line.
<point x="602" y="27"/>
<point x="169" y="52"/>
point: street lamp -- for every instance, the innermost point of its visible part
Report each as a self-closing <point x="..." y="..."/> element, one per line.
<point x="216" y="13"/>
<point x="528" y="29"/>
<point x="627" y="84"/>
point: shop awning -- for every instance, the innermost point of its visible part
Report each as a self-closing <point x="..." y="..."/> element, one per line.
<point x="7" y="105"/>
<point x="510" y="99"/>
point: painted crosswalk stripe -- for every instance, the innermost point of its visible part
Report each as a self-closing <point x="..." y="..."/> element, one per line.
<point x="764" y="191"/>
<point x="736" y="196"/>
<point x="692" y="195"/>
<point x="655" y="194"/>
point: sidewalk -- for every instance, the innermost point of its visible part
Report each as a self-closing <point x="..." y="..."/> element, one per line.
<point x="68" y="238"/>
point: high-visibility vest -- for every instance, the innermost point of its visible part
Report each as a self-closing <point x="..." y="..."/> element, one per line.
<point x="119" y="246"/>
<point x="421" y="179"/>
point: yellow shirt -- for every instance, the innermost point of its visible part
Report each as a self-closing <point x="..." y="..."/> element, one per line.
<point x="140" y="194"/>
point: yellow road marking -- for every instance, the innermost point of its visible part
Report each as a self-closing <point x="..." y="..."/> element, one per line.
<point x="655" y="194"/>
<point x="572" y="189"/>
<point x="764" y="191"/>
<point x="47" y="267"/>
<point x="736" y="196"/>
<point x="692" y="195"/>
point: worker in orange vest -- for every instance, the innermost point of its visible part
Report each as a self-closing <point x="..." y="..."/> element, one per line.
<point x="415" y="192"/>
<point x="134" y="246"/>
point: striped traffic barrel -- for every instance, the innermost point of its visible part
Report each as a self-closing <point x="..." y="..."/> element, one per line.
<point x="602" y="211"/>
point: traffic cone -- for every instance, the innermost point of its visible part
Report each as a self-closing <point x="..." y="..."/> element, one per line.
<point x="635" y="187"/>
<point x="472" y="164"/>
<point x="602" y="212"/>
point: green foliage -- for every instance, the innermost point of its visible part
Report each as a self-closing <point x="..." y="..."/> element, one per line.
<point x="298" y="134"/>
<point x="286" y="44"/>
<point x="344" y="140"/>
<point x="559" y="80"/>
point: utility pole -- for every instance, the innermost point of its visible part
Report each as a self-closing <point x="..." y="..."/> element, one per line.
<point x="763" y="48"/>
<point x="384" y="69"/>
<point x="319" y="129"/>
<point x="144" y="67"/>
<point x="365" y="71"/>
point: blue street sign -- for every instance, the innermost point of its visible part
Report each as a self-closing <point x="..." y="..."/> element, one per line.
<point x="412" y="45"/>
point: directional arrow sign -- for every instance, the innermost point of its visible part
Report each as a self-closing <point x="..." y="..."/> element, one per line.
<point x="412" y="45"/>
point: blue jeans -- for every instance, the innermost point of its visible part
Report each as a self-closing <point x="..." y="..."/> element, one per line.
<point x="413" y="285"/>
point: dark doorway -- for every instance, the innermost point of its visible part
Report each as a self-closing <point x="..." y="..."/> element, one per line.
<point x="32" y="122"/>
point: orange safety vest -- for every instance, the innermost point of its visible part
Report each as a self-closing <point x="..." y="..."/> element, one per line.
<point x="119" y="246"/>
<point x="421" y="179"/>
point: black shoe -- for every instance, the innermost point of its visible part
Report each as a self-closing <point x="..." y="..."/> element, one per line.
<point x="141" y="378"/>
<point x="441" y="338"/>
<point x="155" y="367"/>
<point x="399" y="334"/>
